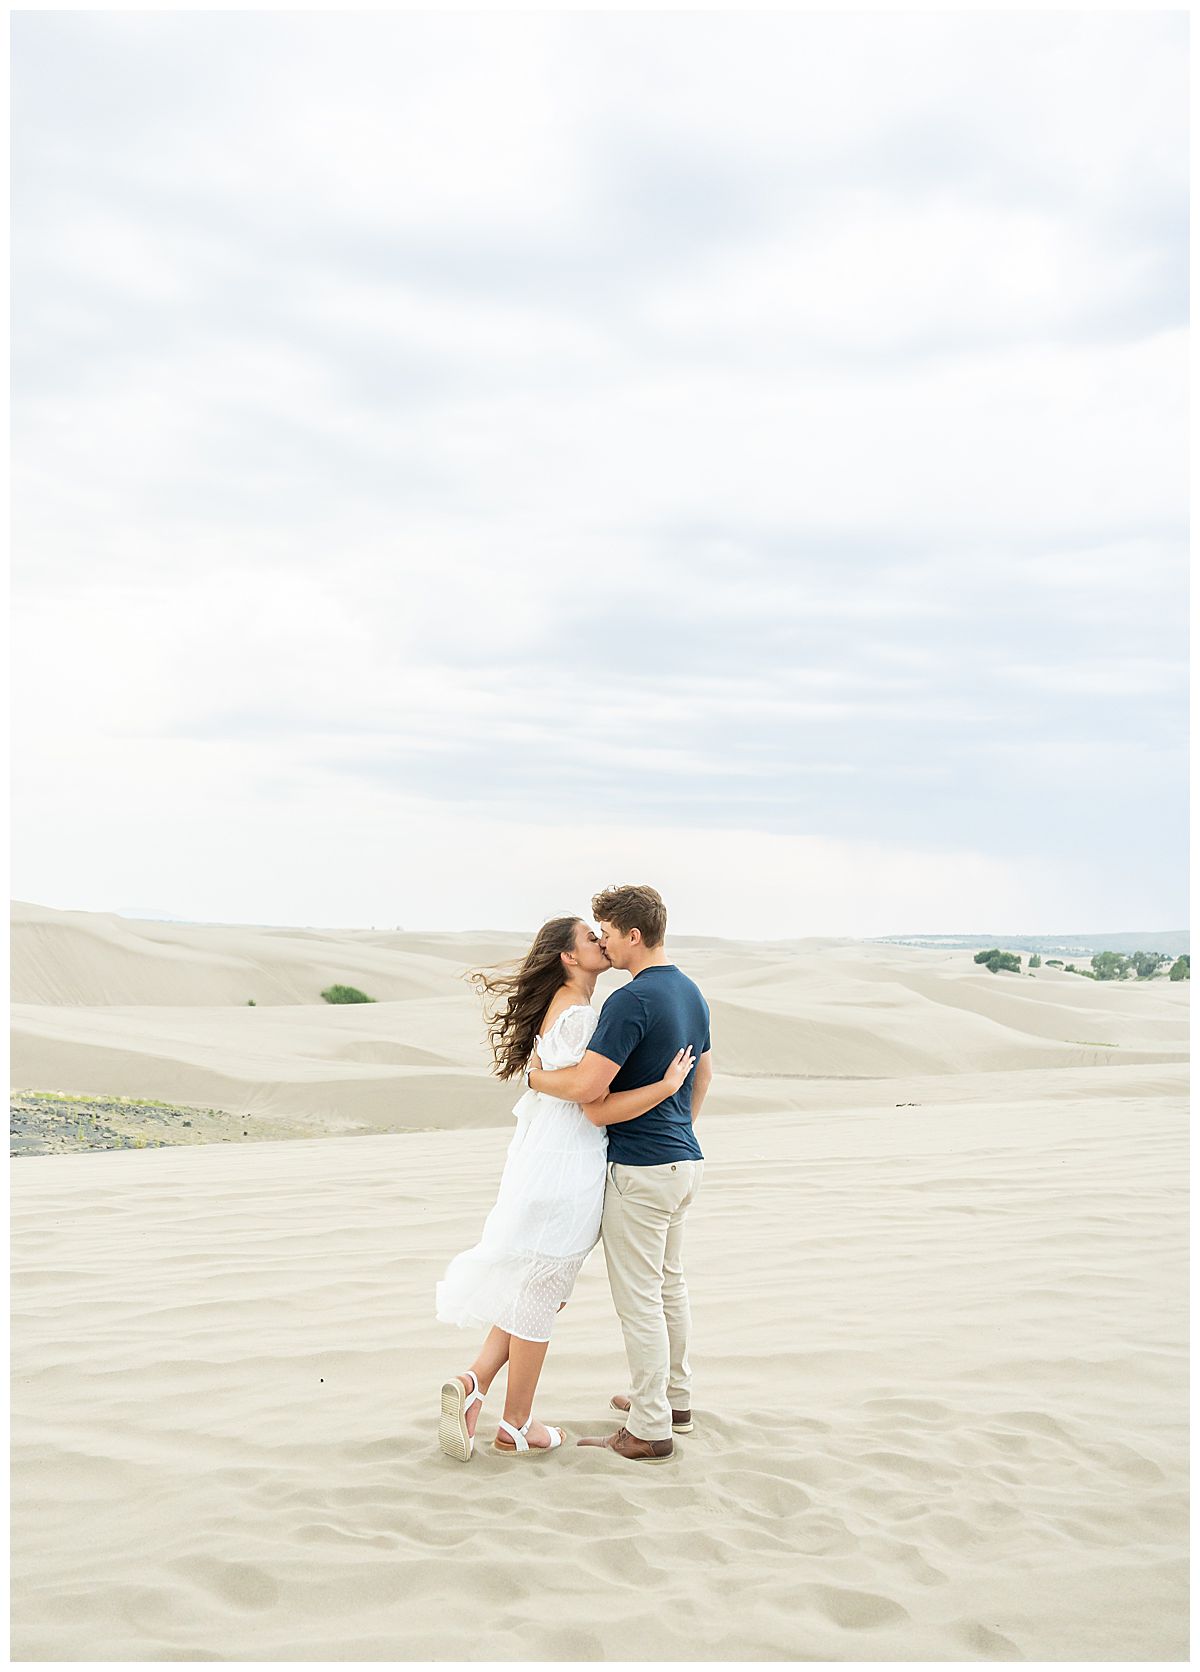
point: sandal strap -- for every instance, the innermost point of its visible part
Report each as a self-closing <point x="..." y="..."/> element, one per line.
<point x="475" y="1396"/>
<point x="518" y="1434"/>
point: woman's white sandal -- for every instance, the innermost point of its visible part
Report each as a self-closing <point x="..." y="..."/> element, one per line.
<point x="452" y="1429"/>
<point x="521" y="1446"/>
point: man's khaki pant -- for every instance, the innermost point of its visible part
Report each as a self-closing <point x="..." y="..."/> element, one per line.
<point x="644" y="1210"/>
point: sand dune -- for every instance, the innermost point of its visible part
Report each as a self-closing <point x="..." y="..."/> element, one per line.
<point x="94" y="958"/>
<point x="938" y="1272"/>
<point x="159" y="1010"/>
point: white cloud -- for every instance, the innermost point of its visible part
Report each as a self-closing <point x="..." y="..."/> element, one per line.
<point x="1116" y="678"/>
<point x="774" y="424"/>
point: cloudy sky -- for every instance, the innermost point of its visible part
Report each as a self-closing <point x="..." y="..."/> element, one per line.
<point x="464" y="461"/>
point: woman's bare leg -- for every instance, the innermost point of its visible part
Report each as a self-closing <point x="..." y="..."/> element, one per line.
<point x="525" y="1360"/>
<point x="489" y="1361"/>
<point x="492" y="1356"/>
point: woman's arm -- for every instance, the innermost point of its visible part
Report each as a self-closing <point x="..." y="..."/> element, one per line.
<point x="613" y="1108"/>
<point x="565" y="1083"/>
<point x="588" y="1079"/>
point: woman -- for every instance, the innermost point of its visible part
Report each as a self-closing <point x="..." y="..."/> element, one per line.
<point x="546" y="1220"/>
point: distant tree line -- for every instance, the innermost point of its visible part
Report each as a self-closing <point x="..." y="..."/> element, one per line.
<point x="1143" y="966"/>
<point x="1106" y="966"/>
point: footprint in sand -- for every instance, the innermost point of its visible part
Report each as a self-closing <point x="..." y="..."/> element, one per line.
<point x="855" y="1610"/>
<point x="241" y="1586"/>
<point x="983" y="1641"/>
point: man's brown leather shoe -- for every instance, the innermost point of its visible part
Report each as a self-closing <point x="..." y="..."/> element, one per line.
<point x="628" y="1445"/>
<point x="681" y="1421"/>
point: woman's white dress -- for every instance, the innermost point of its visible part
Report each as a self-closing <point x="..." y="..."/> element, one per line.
<point x="546" y="1220"/>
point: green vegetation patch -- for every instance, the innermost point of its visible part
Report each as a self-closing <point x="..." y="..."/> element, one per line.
<point x="995" y="960"/>
<point x="345" y="995"/>
<point x="107" y="1097"/>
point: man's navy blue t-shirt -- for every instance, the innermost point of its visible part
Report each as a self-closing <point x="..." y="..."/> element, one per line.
<point x="641" y="1027"/>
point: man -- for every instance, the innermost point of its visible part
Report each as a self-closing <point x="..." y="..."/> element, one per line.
<point x="654" y="1162"/>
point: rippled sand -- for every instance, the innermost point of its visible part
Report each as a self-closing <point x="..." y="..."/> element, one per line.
<point x="940" y="1397"/>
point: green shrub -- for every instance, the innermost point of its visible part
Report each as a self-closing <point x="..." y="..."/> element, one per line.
<point x="345" y="995"/>
<point x="1181" y="969"/>
<point x="250" y="1001"/>
<point x="995" y="960"/>
<point x="1054" y="963"/>
<point x="1035" y="960"/>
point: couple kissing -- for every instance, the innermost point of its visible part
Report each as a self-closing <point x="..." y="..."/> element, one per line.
<point x="605" y="1147"/>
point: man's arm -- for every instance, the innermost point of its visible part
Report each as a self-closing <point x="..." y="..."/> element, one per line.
<point x="701" y="1083"/>
<point x="588" y="1080"/>
<point x="622" y="1024"/>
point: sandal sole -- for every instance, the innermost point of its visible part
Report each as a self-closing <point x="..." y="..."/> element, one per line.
<point x="453" y="1438"/>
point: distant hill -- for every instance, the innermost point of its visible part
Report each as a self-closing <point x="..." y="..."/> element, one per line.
<point x="1172" y="941"/>
<point x="150" y="914"/>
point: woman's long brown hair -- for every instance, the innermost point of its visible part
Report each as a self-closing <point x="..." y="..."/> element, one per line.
<point x="526" y="993"/>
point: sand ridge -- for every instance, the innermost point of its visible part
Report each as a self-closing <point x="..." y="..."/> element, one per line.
<point x="155" y="1010"/>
